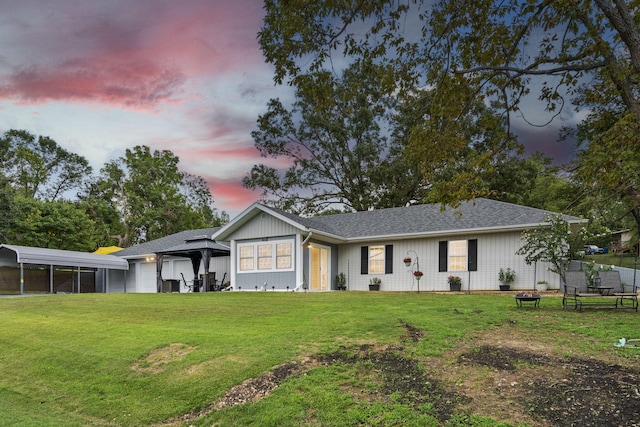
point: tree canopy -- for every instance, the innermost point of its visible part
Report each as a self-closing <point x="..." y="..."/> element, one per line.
<point x="49" y="198"/>
<point x="582" y="52"/>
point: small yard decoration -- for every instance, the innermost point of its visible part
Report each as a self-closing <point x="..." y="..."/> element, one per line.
<point x="418" y="274"/>
<point x="506" y="277"/>
<point x="341" y="282"/>
<point x="455" y="283"/>
<point x="374" y="284"/>
<point x="407" y="261"/>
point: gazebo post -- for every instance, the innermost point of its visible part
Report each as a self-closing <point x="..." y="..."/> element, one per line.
<point x="159" y="272"/>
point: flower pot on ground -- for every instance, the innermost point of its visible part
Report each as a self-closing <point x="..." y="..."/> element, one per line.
<point x="506" y="276"/>
<point x="542" y="285"/>
<point x="341" y="282"/>
<point x="374" y="284"/>
<point x="455" y="283"/>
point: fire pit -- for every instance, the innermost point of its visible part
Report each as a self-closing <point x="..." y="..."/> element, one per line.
<point x="528" y="296"/>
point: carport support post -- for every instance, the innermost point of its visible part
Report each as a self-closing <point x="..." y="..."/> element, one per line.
<point x="21" y="279"/>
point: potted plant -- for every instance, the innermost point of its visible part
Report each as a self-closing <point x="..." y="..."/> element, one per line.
<point x="455" y="283"/>
<point x="341" y="282"/>
<point x="374" y="284"/>
<point x="418" y="274"/>
<point x="542" y="285"/>
<point x="407" y="261"/>
<point x="506" y="277"/>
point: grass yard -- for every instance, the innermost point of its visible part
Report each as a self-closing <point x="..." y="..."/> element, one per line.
<point x="339" y="358"/>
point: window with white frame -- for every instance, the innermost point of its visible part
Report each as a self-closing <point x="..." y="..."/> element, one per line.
<point x="376" y="259"/>
<point x="265" y="256"/>
<point x="458" y="255"/>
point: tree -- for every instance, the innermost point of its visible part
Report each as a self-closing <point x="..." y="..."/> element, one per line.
<point x="52" y="224"/>
<point x="334" y="138"/>
<point x="504" y="51"/>
<point x="140" y="197"/>
<point x="40" y="168"/>
<point x="551" y="244"/>
<point x="7" y="210"/>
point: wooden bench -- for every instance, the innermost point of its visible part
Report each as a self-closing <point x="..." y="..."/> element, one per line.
<point x="576" y="292"/>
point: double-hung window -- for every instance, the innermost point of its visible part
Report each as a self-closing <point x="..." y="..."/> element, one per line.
<point x="458" y="255"/>
<point x="377" y="259"/>
<point x="265" y="256"/>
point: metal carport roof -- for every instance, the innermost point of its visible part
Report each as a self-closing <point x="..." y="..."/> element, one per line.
<point x="44" y="256"/>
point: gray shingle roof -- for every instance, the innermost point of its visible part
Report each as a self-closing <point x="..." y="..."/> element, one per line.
<point x="422" y="219"/>
<point x="158" y="245"/>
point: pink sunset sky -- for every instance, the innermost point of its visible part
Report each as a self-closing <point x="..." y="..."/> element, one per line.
<point x="101" y="76"/>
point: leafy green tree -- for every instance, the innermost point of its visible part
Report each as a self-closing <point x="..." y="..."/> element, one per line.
<point x="52" y="224"/>
<point x="504" y="51"/>
<point x="551" y="244"/>
<point x="334" y="138"/>
<point x="141" y="196"/>
<point x="39" y="167"/>
<point x="7" y="209"/>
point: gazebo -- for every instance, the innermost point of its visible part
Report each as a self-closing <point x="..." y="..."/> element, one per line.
<point x="199" y="249"/>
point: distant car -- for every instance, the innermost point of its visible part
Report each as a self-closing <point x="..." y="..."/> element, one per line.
<point x="593" y="249"/>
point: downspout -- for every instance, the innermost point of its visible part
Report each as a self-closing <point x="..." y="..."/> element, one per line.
<point x="306" y="239"/>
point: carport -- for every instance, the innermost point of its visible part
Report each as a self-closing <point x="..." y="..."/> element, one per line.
<point x="48" y="261"/>
<point x="200" y="249"/>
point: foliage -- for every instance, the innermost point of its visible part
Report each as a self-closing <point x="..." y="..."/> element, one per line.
<point x="143" y="196"/>
<point x="40" y="168"/>
<point x="506" y="276"/>
<point x="550" y="244"/>
<point x="503" y="52"/>
<point x="375" y="281"/>
<point x="333" y="139"/>
<point x="591" y="272"/>
<point x="52" y="224"/>
<point x="454" y="280"/>
<point x="341" y="281"/>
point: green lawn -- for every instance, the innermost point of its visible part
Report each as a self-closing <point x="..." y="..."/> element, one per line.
<point x="69" y="359"/>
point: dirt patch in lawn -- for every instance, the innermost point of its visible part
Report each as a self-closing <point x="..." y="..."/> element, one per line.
<point x="158" y="359"/>
<point x="505" y="375"/>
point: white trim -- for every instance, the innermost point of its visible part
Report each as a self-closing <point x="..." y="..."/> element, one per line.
<point x="274" y="256"/>
<point x="328" y="249"/>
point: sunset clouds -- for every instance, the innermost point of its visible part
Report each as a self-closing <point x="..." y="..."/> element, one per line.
<point x="100" y="76"/>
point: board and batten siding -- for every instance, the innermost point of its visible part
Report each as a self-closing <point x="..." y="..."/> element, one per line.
<point x="263" y="226"/>
<point x="494" y="251"/>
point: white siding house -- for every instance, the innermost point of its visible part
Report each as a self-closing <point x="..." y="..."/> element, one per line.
<point x="280" y="251"/>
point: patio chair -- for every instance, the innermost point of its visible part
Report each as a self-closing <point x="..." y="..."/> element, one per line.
<point x="575" y="286"/>
<point x="620" y="290"/>
<point x="611" y="279"/>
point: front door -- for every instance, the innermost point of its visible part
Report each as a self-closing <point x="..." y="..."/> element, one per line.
<point x="320" y="268"/>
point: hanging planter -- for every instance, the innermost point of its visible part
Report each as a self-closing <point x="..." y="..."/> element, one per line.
<point x="407" y="261"/>
<point x="418" y="274"/>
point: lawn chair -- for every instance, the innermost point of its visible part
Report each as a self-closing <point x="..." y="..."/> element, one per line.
<point x="620" y="290"/>
<point x="575" y="286"/>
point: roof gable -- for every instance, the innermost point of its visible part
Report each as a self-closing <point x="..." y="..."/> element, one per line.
<point x="478" y="215"/>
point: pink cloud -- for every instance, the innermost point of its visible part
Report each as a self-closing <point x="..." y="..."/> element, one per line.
<point x="136" y="84"/>
<point x="231" y="194"/>
<point x="135" y="54"/>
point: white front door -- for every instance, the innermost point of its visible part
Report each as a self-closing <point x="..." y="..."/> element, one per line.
<point x="319" y="268"/>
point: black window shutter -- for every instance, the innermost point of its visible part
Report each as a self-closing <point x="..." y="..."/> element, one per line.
<point x="442" y="255"/>
<point x="364" y="260"/>
<point x="472" y="255"/>
<point x="388" y="259"/>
